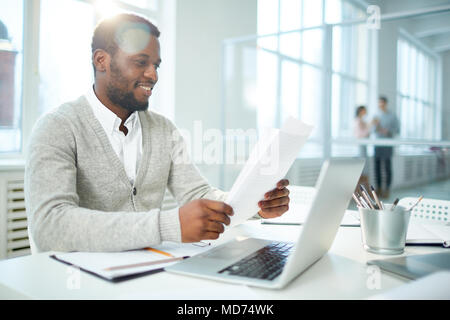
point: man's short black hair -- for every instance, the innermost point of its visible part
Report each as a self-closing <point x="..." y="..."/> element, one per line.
<point x="383" y="98"/>
<point x="106" y="31"/>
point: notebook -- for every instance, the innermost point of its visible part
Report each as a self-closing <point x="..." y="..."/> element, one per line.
<point x="125" y="265"/>
<point x="428" y="233"/>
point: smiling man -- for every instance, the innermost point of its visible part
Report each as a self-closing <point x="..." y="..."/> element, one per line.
<point x="97" y="168"/>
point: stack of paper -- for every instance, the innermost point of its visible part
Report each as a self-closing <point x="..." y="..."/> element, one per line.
<point x="268" y="163"/>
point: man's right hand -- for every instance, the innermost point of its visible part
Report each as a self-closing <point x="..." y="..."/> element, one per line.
<point x="203" y="219"/>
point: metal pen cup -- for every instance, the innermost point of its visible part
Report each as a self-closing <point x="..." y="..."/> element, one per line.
<point x="384" y="231"/>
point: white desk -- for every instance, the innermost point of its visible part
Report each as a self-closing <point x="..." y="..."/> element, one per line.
<point x="340" y="274"/>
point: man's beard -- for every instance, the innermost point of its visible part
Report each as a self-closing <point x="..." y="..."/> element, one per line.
<point x="122" y="97"/>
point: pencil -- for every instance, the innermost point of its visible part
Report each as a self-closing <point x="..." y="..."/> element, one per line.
<point x="415" y="204"/>
<point x="144" y="264"/>
<point x="159" y="251"/>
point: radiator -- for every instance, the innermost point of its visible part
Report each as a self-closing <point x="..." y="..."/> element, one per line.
<point x="13" y="217"/>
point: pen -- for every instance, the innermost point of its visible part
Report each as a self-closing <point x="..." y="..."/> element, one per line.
<point x="380" y="206"/>
<point x="394" y="204"/>
<point x="144" y="264"/>
<point x="415" y="204"/>
<point x="366" y="196"/>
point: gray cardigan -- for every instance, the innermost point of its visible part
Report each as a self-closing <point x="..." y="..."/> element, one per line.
<point x="78" y="196"/>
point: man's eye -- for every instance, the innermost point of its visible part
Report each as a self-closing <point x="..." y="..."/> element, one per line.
<point x="141" y="63"/>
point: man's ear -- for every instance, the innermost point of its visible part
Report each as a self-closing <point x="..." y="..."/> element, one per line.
<point x="101" y="60"/>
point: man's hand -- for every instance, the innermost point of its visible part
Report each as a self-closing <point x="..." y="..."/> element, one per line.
<point x="203" y="219"/>
<point x="276" y="201"/>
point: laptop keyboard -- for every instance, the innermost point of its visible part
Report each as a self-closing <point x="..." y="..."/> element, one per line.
<point x="266" y="263"/>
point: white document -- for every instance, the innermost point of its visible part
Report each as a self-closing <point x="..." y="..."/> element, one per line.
<point x="268" y="163"/>
<point x="99" y="262"/>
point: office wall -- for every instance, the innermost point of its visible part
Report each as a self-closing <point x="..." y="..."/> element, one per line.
<point x="201" y="25"/>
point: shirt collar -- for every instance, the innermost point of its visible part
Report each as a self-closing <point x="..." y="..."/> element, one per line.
<point x="108" y="119"/>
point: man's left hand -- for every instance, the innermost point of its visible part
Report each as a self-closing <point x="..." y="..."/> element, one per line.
<point x="276" y="201"/>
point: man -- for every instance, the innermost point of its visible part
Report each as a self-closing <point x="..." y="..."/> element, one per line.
<point x="97" y="168"/>
<point x="385" y="127"/>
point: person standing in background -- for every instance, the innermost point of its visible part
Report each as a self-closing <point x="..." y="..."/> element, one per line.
<point x="361" y="130"/>
<point x="385" y="127"/>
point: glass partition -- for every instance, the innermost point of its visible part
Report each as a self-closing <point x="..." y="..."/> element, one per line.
<point x="320" y="61"/>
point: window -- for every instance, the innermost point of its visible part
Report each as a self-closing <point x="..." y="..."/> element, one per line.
<point x="65" y="66"/>
<point x="291" y="71"/>
<point x="350" y="81"/>
<point x="11" y="64"/>
<point x="416" y="70"/>
<point x="59" y="33"/>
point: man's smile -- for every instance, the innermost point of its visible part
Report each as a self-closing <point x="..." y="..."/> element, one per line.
<point x="146" y="87"/>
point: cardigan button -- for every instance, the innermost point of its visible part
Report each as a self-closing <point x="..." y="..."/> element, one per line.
<point x="134" y="191"/>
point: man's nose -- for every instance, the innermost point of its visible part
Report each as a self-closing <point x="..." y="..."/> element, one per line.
<point x="151" y="73"/>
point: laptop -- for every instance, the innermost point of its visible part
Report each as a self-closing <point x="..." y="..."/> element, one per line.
<point x="273" y="264"/>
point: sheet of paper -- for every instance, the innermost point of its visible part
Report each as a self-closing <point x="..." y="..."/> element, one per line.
<point x="98" y="262"/>
<point x="268" y="163"/>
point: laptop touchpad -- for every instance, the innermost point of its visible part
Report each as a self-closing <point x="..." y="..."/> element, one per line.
<point x="227" y="252"/>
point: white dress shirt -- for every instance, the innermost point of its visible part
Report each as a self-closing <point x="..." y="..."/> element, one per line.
<point x="127" y="147"/>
